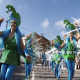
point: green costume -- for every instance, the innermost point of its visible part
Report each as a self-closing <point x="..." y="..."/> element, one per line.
<point x="27" y="61"/>
<point x="10" y="55"/>
<point x="52" y="59"/>
<point x="70" y="54"/>
<point x="57" y="56"/>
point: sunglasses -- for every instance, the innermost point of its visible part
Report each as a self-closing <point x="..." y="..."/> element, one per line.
<point x="71" y="33"/>
<point x="13" y="22"/>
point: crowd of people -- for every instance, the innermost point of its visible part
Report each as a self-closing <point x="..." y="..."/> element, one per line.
<point x="67" y="51"/>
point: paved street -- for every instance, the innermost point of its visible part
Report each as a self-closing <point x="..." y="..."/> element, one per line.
<point x="39" y="74"/>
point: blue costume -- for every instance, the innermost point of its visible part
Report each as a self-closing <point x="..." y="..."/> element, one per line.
<point x="28" y="64"/>
<point x="58" y="66"/>
<point x="70" y="50"/>
<point x="52" y="62"/>
<point x="43" y="59"/>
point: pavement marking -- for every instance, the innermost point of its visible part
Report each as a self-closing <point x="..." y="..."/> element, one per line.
<point x="33" y="76"/>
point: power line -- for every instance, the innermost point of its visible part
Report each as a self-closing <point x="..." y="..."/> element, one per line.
<point x="27" y="29"/>
<point x="48" y="33"/>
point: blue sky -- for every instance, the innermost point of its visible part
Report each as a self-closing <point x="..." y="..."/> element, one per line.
<point x="43" y="16"/>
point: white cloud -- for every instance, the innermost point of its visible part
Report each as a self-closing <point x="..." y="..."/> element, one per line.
<point x="62" y="32"/>
<point x="78" y="21"/>
<point x="60" y="24"/>
<point x="19" y="7"/>
<point x="0" y="1"/>
<point x="45" y="23"/>
<point x="25" y="5"/>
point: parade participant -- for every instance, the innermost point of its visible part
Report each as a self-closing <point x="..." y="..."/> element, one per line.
<point x="28" y="63"/>
<point x="52" y="62"/>
<point x="48" y="63"/>
<point x="70" y="47"/>
<point x="43" y="59"/>
<point x="58" y="66"/>
<point x="28" y="66"/>
<point x="13" y="45"/>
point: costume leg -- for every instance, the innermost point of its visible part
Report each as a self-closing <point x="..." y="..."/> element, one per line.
<point x="29" y="69"/>
<point x="45" y="61"/>
<point x="42" y="63"/>
<point x="73" y="66"/>
<point x="59" y="68"/>
<point x="68" y="62"/>
<point x="48" y="64"/>
<point x="9" y="72"/>
<point x="3" y="71"/>
<point x="56" y="70"/>
<point x="52" y="65"/>
<point x="26" y="70"/>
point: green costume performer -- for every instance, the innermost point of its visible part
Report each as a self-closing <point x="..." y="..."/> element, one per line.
<point x="58" y="67"/>
<point x="52" y="62"/>
<point x="13" y="44"/>
<point x="70" y="48"/>
<point x="28" y="66"/>
<point x="10" y="54"/>
<point x="70" y="53"/>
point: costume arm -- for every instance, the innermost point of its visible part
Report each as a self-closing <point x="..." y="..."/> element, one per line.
<point x="61" y="46"/>
<point x="1" y="20"/>
<point x="24" y="48"/>
<point x="77" y="37"/>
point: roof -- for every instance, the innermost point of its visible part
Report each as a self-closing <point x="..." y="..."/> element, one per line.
<point x="28" y="35"/>
<point x="24" y="37"/>
<point x="44" y="40"/>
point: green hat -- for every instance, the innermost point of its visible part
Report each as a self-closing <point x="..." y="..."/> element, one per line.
<point x="14" y="15"/>
<point x="69" y="26"/>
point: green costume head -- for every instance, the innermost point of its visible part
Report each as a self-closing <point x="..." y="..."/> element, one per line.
<point x="69" y="26"/>
<point x="14" y="15"/>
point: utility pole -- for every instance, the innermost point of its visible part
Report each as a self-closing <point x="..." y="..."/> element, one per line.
<point x="51" y="39"/>
<point x="41" y="38"/>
